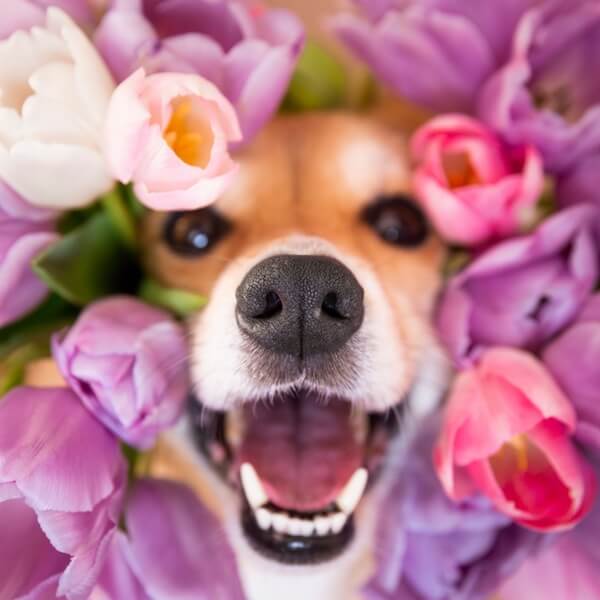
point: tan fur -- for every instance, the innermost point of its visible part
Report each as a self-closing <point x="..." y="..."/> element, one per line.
<point x="301" y="188"/>
<point x="310" y="174"/>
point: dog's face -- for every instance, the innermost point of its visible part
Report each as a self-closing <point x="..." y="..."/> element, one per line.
<point x="321" y="273"/>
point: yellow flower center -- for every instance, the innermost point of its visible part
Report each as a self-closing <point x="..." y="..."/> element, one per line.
<point x="459" y="170"/>
<point x="189" y="132"/>
<point x="520" y="444"/>
<point x="516" y="453"/>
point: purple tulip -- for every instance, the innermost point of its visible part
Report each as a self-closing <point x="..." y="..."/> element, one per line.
<point x="580" y="184"/>
<point x="574" y="360"/>
<point x="62" y="479"/>
<point x="249" y="53"/>
<point x="546" y="95"/>
<point x="117" y="579"/>
<point x="198" y="564"/>
<point x="25" y="231"/>
<point x="127" y="363"/>
<point x="434" y="52"/>
<point x="24" y="14"/>
<point x="522" y="291"/>
<point x="430" y="548"/>
<point x="569" y="568"/>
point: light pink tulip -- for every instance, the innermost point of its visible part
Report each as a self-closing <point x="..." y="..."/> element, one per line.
<point x="472" y="186"/>
<point x="168" y="133"/>
<point x="507" y="434"/>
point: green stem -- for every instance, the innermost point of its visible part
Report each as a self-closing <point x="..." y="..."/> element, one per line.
<point x="114" y="204"/>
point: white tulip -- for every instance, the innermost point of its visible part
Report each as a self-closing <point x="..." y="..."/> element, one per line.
<point x="54" y="92"/>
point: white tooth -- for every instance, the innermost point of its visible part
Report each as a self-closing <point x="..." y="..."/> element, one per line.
<point x="352" y="493"/>
<point x="322" y="525"/>
<point x="263" y="518"/>
<point x="255" y="493"/>
<point x="295" y="526"/>
<point x="307" y="528"/>
<point x="280" y="522"/>
<point x="338" y="521"/>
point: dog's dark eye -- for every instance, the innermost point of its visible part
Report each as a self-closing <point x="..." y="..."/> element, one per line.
<point x="194" y="232"/>
<point x="397" y="220"/>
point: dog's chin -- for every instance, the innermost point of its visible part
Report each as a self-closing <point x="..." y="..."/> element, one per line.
<point x="300" y="463"/>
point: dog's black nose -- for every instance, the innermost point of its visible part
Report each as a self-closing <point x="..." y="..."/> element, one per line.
<point x="300" y="305"/>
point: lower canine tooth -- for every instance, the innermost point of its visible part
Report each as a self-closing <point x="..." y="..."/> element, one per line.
<point x="352" y="493"/>
<point x="263" y="518"/>
<point x="280" y="522"/>
<point x="253" y="488"/>
<point x="337" y="522"/>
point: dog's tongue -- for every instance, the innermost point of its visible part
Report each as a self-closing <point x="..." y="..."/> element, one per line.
<point x="303" y="450"/>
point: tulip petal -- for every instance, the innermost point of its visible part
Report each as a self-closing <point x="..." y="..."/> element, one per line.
<point x="66" y="175"/>
<point x="199" y="562"/>
<point x="40" y="429"/>
<point x="91" y="77"/>
<point x="507" y="394"/>
<point x="507" y="434"/>
<point x="257" y="75"/>
<point x="522" y="291"/>
<point x="564" y="570"/>
<point x="474" y="188"/>
<point x="27" y="559"/>
<point x="120" y="37"/>
<point x="127" y="363"/>
<point x="430" y="56"/>
<point x="45" y="74"/>
<point x="20" y="289"/>
<point x="117" y="580"/>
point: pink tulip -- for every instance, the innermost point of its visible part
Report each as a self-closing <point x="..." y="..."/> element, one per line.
<point x="472" y="186"/>
<point x="168" y="133"/>
<point x="507" y="434"/>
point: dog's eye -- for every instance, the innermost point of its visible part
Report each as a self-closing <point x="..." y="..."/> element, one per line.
<point x="194" y="232"/>
<point x="397" y="220"/>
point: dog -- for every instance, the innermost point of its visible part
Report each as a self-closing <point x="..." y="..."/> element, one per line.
<point x="314" y="355"/>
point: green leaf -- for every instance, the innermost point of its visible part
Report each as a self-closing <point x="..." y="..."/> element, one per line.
<point x="12" y="368"/>
<point x="319" y="81"/>
<point x="74" y="219"/>
<point x="545" y="206"/>
<point x="180" y="302"/>
<point x="89" y="262"/>
<point x="122" y="217"/>
<point x="37" y="327"/>
<point x="456" y="261"/>
<point x="137" y="209"/>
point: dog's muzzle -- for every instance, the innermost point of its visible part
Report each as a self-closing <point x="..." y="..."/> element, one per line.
<point x="302" y="456"/>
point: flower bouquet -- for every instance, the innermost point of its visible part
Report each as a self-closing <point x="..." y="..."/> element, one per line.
<point x="112" y="110"/>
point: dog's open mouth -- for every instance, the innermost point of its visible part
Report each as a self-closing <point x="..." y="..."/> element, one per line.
<point x="301" y="463"/>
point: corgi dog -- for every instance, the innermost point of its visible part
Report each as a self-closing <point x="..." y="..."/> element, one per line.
<point x="314" y="355"/>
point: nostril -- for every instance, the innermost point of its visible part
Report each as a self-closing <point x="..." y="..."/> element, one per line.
<point x="273" y="306"/>
<point x="331" y="307"/>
